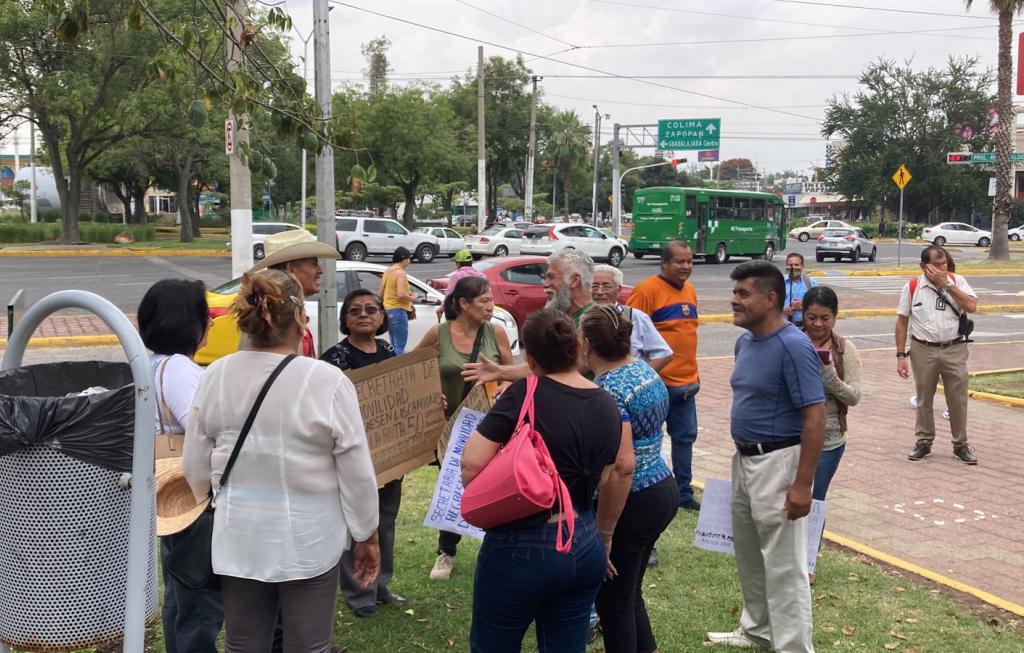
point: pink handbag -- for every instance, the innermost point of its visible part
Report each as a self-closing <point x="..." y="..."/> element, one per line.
<point x="521" y="480"/>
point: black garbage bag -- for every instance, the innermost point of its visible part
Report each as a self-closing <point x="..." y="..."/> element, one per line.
<point x="98" y="428"/>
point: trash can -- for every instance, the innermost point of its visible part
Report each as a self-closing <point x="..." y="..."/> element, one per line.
<point x="77" y="503"/>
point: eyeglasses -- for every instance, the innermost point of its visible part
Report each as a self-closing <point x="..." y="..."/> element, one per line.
<point x="602" y="286"/>
<point x="356" y="311"/>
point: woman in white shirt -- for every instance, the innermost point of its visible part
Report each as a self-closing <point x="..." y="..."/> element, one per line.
<point x="173" y="322"/>
<point x="302" y="485"/>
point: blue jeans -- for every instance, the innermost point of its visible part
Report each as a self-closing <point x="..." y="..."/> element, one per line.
<point x="682" y="431"/>
<point x="398" y="329"/>
<point x="520" y="579"/>
<point x="191" y="618"/>
<point x="826" y="469"/>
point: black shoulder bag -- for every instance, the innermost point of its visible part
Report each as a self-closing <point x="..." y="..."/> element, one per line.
<point x="190" y="558"/>
<point x="966" y="326"/>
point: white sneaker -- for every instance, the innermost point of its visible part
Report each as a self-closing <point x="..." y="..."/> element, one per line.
<point x="913" y="401"/>
<point x="945" y="414"/>
<point x="736" y="638"/>
<point x="443" y="567"/>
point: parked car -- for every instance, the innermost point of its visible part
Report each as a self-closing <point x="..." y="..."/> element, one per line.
<point x="495" y="241"/>
<point x="448" y="240"/>
<point x="956" y="233"/>
<point x="260" y="231"/>
<point x="517" y="283"/>
<point x="845" y="243"/>
<point x="815" y="229"/>
<point x="1015" y="234"/>
<point x="223" y="337"/>
<point x="360" y="237"/>
<point x="546" y="239"/>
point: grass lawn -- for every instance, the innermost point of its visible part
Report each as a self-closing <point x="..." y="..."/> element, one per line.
<point x="1010" y="384"/>
<point x="170" y="241"/>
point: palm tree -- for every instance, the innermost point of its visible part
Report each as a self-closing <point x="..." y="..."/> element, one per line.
<point x="1006" y="9"/>
<point x="567" y="147"/>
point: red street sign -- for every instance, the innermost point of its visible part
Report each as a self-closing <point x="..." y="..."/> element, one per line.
<point x="229" y="137"/>
<point x="814" y="200"/>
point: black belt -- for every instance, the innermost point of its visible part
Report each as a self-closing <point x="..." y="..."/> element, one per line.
<point x="941" y="345"/>
<point x="759" y="448"/>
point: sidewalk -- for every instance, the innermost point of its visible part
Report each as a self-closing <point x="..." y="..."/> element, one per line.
<point x="965" y="523"/>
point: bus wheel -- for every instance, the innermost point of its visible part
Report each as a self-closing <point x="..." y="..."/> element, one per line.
<point x="769" y="254"/>
<point x="721" y="255"/>
<point x="638" y="255"/>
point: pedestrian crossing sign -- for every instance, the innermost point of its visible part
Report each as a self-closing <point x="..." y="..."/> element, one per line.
<point x="902" y="176"/>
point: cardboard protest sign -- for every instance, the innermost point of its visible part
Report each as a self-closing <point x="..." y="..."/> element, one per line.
<point x="400" y="400"/>
<point x="480" y="399"/>
<point x="445" y="511"/>
<point x="714" y="523"/>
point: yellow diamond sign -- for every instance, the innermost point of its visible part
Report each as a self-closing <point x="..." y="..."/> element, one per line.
<point x="902" y="176"/>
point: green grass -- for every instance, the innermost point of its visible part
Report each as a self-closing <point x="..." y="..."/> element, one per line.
<point x="857" y="606"/>
<point x="168" y="241"/>
<point x="1010" y="384"/>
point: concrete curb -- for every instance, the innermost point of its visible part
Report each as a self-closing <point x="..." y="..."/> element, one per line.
<point x="996" y="399"/>
<point x="71" y="341"/>
<point x="28" y="253"/>
<point x="914" y="270"/>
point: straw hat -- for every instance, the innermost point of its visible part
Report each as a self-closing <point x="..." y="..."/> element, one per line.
<point x="176" y="506"/>
<point x="292" y="245"/>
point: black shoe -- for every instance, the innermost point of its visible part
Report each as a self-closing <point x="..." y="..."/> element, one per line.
<point x="392" y="598"/>
<point x="920" y="451"/>
<point x="692" y="504"/>
<point x="365" y="612"/>
<point x="965" y="455"/>
<point x="652" y="561"/>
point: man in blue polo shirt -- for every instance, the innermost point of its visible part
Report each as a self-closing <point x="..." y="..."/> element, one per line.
<point x="778" y="425"/>
<point x="797" y="285"/>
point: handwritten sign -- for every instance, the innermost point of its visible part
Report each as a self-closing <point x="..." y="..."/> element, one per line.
<point x="400" y="400"/>
<point x="445" y="508"/>
<point x="480" y="399"/>
<point x="714" y="523"/>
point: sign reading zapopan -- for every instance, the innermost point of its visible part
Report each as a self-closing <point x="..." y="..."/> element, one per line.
<point x="400" y="401"/>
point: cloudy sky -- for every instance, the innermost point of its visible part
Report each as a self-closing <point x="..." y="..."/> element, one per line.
<point x="674" y="58"/>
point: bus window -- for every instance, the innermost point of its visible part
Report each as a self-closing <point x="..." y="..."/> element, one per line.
<point x="723" y="208"/>
<point x="758" y="210"/>
<point x="691" y="206"/>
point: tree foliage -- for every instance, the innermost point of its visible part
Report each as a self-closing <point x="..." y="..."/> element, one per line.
<point x="900" y="116"/>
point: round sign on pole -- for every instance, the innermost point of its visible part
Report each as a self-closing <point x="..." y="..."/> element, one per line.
<point x="814" y="200"/>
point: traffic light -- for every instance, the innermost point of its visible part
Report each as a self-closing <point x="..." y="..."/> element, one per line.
<point x="676" y="162"/>
<point x="958" y="158"/>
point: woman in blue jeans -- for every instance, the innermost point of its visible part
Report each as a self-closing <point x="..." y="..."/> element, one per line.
<point x="520" y="577"/>
<point x="398" y="299"/>
<point x="841" y="376"/>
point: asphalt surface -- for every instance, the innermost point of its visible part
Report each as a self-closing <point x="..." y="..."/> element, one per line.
<point x="124" y="280"/>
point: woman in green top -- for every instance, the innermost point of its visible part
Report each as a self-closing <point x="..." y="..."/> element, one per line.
<point x="468" y="328"/>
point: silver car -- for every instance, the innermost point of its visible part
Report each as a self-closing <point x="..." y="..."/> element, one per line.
<point x="849" y="243"/>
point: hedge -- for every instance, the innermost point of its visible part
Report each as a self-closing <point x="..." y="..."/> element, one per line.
<point x="88" y="232"/>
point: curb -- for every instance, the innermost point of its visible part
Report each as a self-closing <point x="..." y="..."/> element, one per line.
<point x="71" y="341"/>
<point x="1002" y="400"/>
<point x="1008" y="370"/>
<point x="911" y="271"/>
<point x="28" y="253"/>
<point x="905" y="565"/>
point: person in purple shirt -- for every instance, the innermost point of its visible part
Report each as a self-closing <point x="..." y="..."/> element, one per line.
<point x="778" y="426"/>
<point x="463" y="268"/>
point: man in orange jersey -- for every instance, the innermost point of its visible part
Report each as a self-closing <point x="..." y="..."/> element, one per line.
<point x="671" y="301"/>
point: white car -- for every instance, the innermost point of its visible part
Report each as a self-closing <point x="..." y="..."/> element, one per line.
<point x="546" y="239"/>
<point x="495" y="240"/>
<point x="815" y="229"/>
<point x="359" y="237"/>
<point x="1015" y="234"/>
<point x="956" y="233"/>
<point x="260" y="231"/>
<point x="448" y="240"/>
<point x="611" y="234"/>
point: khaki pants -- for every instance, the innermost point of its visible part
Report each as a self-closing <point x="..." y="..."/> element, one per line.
<point x="929" y="365"/>
<point x="771" y="553"/>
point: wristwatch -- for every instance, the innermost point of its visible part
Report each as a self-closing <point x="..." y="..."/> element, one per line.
<point x="902" y="354"/>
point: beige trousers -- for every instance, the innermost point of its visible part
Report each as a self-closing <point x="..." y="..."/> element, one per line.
<point x="771" y="553"/>
<point x="929" y="365"/>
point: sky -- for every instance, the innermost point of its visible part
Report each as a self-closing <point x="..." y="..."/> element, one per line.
<point x="703" y="54"/>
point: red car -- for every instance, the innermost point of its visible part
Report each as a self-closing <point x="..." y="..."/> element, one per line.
<point x="517" y="283"/>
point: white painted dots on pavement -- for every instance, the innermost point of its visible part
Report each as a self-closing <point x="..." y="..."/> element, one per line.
<point x="937" y="511"/>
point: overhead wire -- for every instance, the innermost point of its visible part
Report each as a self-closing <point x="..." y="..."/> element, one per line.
<point x="831" y="5"/>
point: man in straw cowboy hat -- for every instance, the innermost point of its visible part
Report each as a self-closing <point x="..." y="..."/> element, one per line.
<point x="297" y="252"/>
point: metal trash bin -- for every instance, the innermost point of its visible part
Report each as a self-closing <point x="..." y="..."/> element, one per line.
<point x="77" y="502"/>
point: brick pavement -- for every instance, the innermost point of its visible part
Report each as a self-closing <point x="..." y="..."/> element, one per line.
<point x="963" y="522"/>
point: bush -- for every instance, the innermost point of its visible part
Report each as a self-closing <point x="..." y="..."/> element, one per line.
<point x="88" y="231"/>
<point x="29" y="233"/>
<point x="105" y="233"/>
<point x="13" y="217"/>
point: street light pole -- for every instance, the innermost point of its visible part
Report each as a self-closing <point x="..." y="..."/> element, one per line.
<point x="597" y="159"/>
<point x="305" y="79"/>
<point x="528" y="208"/>
<point x="327" y="320"/>
<point x="616" y="194"/>
<point x="618" y="182"/>
<point x="481" y="155"/>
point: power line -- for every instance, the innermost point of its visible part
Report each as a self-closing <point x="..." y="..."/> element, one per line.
<point x="888" y="9"/>
<point x="410" y="77"/>
<point x="572" y="46"/>
<point x="681" y="106"/>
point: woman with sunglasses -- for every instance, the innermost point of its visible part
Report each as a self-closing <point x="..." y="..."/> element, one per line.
<point x="363" y="318"/>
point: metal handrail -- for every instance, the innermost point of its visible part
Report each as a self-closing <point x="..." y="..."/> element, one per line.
<point x="142" y="451"/>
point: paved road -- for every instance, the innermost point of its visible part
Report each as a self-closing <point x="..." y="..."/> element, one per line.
<point x="124" y="280"/>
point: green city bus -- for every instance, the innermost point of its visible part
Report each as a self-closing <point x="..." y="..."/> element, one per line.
<point x="716" y="224"/>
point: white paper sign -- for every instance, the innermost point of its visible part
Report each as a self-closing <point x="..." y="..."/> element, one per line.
<point x="714" y="523"/>
<point x="444" y="512"/>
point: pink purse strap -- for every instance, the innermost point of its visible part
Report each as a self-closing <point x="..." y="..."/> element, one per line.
<point x="563" y="500"/>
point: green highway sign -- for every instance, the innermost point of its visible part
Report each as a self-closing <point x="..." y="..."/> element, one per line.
<point x="690" y="134"/>
<point x="959" y="158"/>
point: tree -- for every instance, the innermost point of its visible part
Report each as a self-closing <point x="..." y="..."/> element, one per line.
<point x="127" y="169"/>
<point x="377" y="67"/>
<point x="17" y="193"/>
<point x="1006" y="10"/>
<point x="567" y="148"/>
<point x="735" y="169"/>
<point x="900" y="116"/>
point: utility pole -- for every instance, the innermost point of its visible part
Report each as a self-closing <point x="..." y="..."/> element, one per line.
<point x="617" y="190"/>
<point x="481" y="160"/>
<point x="528" y="209"/>
<point x="305" y="79"/>
<point x="33" y="205"/>
<point x="238" y="172"/>
<point x="327" y="319"/>
<point x="597" y="160"/>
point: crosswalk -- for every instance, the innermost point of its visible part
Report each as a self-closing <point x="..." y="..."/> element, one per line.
<point x="893" y="285"/>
